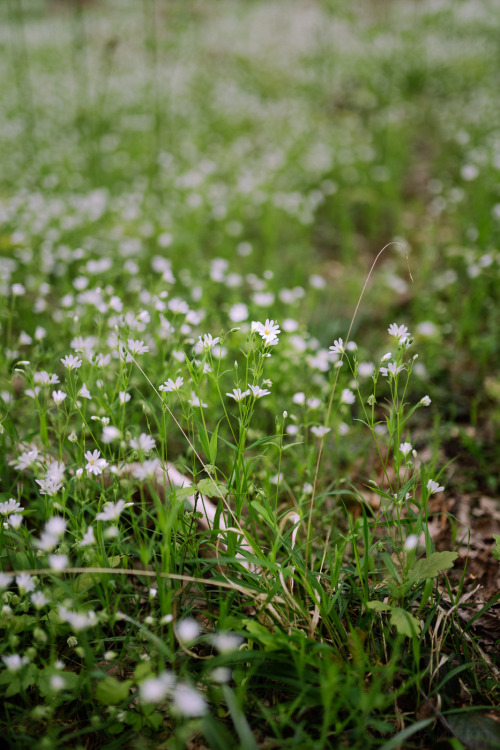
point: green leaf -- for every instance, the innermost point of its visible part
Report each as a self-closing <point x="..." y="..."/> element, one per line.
<point x="111" y="691"/>
<point x="377" y="606"/>
<point x="211" y="489"/>
<point x="496" y="549"/>
<point x="404" y="622"/>
<point x="264" y="513"/>
<point x="142" y="671"/>
<point x="155" y="720"/>
<point x="475" y="730"/>
<point x="182" y="494"/>
<point x="429" y="567"/>
<point x="13" y="688"/>
<point x="17" y="623"/>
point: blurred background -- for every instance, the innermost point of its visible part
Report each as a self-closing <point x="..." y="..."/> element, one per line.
<point x="271" y="149"/>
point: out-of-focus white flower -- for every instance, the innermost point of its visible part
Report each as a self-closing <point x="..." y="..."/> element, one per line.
<point x="187" y="630"/>
<point x="154" y="689"/>
<point x="143" y="443"/>
<point x="88" y="538"/>
<point x="188" y="701"/>
<point x="112" y="511"/>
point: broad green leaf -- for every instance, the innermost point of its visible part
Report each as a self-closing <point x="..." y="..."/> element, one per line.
<point x="404" y="622"/>
<point x="111" y="691"/>
<point x="429" y="567"/>
<point x="211" y="489"/>
<point x="16" y="624"/>
<point x="496" y="549"/>
<point x="142" y="671"/>
<point x="13" y="688"/>
<point x="476" y="730"/>
<point x="183" y="493"/>
<point x="377" y="606"/>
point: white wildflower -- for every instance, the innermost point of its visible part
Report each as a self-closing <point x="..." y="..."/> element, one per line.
<point x="95" y="464"/>
<point x="71" y="362"/>
<point x="434" y="487"/>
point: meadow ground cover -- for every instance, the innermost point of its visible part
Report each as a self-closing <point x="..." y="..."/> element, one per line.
<point x="240" y="509"/>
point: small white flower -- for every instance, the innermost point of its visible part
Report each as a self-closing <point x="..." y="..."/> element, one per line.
<point x="71" y="362"/>
<point x="43" y="378"/>
<point x="238" y="394"/>
<point x="137" y="347"/>
<point x="226" y="642"/>
<point x="187" y="630"/>
<point x="299" y="398"/>
<point x="110" y="433"/>
<point x="112" y="511"/>
<point x="411" y="542"/>
<point x="88" y="538"/>
<point x="320" y="431"/>
<point x="95" y="464"/>
<point x="338" y="346"/>
<point x="146" y="470"/>
<point x="10" y="506"/>
<point x="25" y="583"/>
<point x="15" y="521"/>
<point x="391" y="370"/>
<point x="188" y="701"/>
<point x="195" y="401"/>
<point x="268" y="330"/>
<point x="49" y="486"/>
<point x="58" y="396"/>
<point x="154" y="689"/>
<point x="124" y="397"/>
<point x="258" y="392"/>
<point x="58" y="562"/>
<point x="425" y="401"/>
<point x="207" y="341"/>
<point x="144" y="443"/>
<point x="14" y="662"/>
<point x="405" y="448"/>
<point x="347" y="397"/>
<point x="84" y="392"/>
<point x="366" y="369"/>
<point x="400" y="333"/>
<point x="172" y="385"/>
<point x="5" y="580"/>
<point x="238" y="313"/>
<point x="39" y="599"/>
<point x="57" y="682"/>
<point x="386" y="357"/>
<point x="434" y="487"/>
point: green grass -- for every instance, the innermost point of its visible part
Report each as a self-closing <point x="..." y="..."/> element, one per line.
<point x="172" y="173"/>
